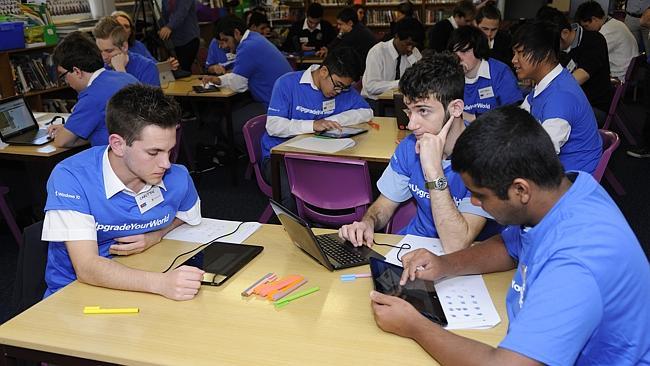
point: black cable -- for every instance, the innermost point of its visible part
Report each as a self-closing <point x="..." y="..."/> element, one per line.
<point x="202" y="246"/>
<point x="400" y="247"/>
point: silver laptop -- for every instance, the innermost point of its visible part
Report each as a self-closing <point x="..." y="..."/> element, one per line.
<point x="328" y="249"/>
<point x="165" y="73"/>
<point x="18" y="125"/>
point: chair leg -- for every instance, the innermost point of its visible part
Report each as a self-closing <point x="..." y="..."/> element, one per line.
<point x="249" y="171"/>
<point x="621" y="126"/>
<point x="10" y="220"/>
<point x="616" y="185"/>
<point x="266" y="215"/>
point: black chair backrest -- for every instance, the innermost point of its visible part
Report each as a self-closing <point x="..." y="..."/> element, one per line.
<point x="29" y="285"/>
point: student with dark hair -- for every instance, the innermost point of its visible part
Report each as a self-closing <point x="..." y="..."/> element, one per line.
<point x="463" y="14"/>
<point x="586" y="59"/>
<point x="388" y="60"/>
<point x="317" y="99"/>
<point x="579" y="292"/>
<point x="361" y="12"/>
<point x="489" y="83"/>
<point x="259" y="23"/>
<point x="488" y="20"/>
<point x="621" y="44"/>
<point x="406" y="10"/>
<point x="420" y="167"/>
<point x="180" y="24"/>
<point x="352" y="33"/>
<point x="79" y="63"/>
<point x="112" y="41"/>
<point x="557" y="101"/>
<point x="258" y="64"/>
<point x="122" y="199"/>
<point x="309" y="34"/>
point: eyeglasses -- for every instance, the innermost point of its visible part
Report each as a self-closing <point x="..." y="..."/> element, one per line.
<point x="62" y="76"/>
<point x="338" y="87"/>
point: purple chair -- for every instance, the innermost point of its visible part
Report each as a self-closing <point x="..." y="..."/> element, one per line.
<point x="324" y="184"/>
<point x="615" y="108"/>
<point x="610" y="143"/>
<point x="9" y="217"/>
<point x="401" y="217"/>
<point x="253" y="131"/>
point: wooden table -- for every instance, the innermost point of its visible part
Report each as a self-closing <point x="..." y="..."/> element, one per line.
<point x="333" y="326"/>
<point x="39" y="161"/>
<point x="375" y="146"/>
<point x="182" y="88"/>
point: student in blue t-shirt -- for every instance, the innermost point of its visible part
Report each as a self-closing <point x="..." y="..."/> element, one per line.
<point x="557" y="101"/>
<point x="258" y="64"/>
<point x="317" y="99"/>
<point x="79" y="64"/>
<point x="489" y="83"/>
<point x="580" y="291"/>
<point x="122" y="199"/>
<point x="112" y="41"/>
<point x="420" y="167"/>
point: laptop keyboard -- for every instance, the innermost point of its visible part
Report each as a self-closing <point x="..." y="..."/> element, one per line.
<point x="341" y="253"/>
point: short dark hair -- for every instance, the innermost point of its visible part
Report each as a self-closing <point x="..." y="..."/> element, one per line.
<point x="540" y="41"/>
<point x="409" y="28"/>
<point x="315" y="10"/>
<point x="406" y="8"/>
<point x="439" y="75"/>
<point x="587" y="10"/>
<point x="469" y="37"/>
<point x="257" y="19"/>
<point x="137" y="106"/>
<point x="553" y="16"/>
<point x="348" y="14"/>
<point x="78" y="50"/>
<point x="228" y="25"/>
<point x="488" y="11"/>
<point x="344" y="62"/>
<point x="504" y="144"/>
<point x="464" y="9"/>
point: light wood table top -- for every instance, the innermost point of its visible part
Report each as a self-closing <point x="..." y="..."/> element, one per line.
<point x="183" y="88"/>
<point x="43" y="151"/>
<point x="333" y="326"/>
<point x="376" y="145"/>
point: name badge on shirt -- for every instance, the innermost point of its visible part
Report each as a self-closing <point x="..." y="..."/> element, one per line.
<point x="486" y="92"/>
<point x="149" y="199"/>
<point x="329" y="105"/>
<point x="571" y="66"/>
<point x="304" y="39"/>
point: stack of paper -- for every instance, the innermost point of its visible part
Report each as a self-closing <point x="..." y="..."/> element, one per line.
<point x="465" y="299"/>
<point x="211" y="229"/>
<point x="324" y="145"/>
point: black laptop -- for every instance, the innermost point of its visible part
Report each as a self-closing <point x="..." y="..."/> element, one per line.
<point x="18" y="125"/>
<point x="400" y="115"/>
<point x="328" y="249"/>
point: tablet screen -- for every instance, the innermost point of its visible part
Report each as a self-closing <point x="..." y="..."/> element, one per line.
<point x="222" y="260"/>
<point x="344" y="132"/>
<point x="419" y="293"/>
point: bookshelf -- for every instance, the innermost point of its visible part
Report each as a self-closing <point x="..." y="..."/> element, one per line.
<point x="27" y="71"/>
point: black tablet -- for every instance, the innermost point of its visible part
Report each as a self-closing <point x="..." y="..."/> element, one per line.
<point x="419" y="293"/>
<point x="205" y="89"/>
<point x="344" y="132"/>
<point x="220" y="261"/>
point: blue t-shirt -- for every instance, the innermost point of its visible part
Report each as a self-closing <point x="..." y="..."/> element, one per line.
<point x="216" y="55"/>
<point x="88" y="118"/>
<point x="580" y="294"/>
<point x="142" y="69"/>
<point x="563" y="98"/>
<point x="139" y="48"/>
<point x="77" y="184"/>
<point x="403" y="179"/>
<point x="489" y="93"/>
<point x="259" y="61"/>
<point x="294" y="100"/>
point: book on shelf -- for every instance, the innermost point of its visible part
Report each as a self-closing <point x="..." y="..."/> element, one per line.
<point x="33" y="72"/>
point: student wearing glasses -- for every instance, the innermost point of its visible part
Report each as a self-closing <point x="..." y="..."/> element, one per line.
<point x="317" y="99"/>
<point x="79" y="63"/>
<point x="420" y="167"/>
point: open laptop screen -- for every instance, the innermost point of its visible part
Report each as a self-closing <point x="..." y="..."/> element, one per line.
<point x="15" y="117"/>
